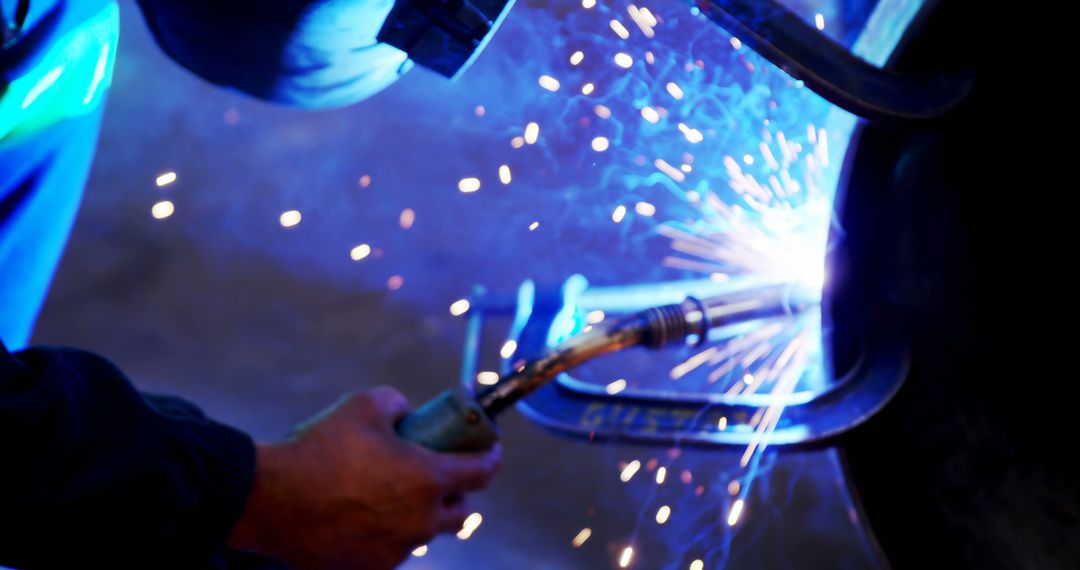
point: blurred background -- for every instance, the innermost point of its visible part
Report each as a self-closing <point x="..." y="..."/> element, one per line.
<point x="305" y="254"/>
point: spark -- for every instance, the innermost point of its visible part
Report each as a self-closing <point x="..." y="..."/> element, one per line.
<point x="748" y="159"/>
<point x="459" y="307"/>
<point x="748" y="379"/>
<point x="600" y="144"/>
<point x="602" y="112"/>
<point x="508" y="348"/>
<point x="587" y="4"/>
<point x="672" y="172"/>
<point x="616" y="386"/>
<point x="407" y="218"/>
<point x="162" y="210"/>
<point x="480" y="110"/>
<point x="644" y="20"/>
<point x="165" y="178"/>
<point x="289" y="218"/>
<point x="395" y="282"/>
<point x="504" y="174"/>
<point x="736" y="510"/>
<point x="472" y="522"/>
<point x="819" y="21"/>
<point x="645" y="209"/>
<point x="736" y="43"/>
<point x="619" y="213"/>
<point x="487" y="378"/>
<point x="468" y="185"/>
<point x="623" y="60"/>
<point x="687" y="169"/>
<point x="674" y="90"/>
<point x="587" y="88"/>
<point x="420" y="551"/>
<point x="661" y="474"/>
<point x="581" y="537"/>
<point x="360" y="252"/>
<point x="364" y="181"/>
<point x="627" y="556"/>
<point x="663" y="514"/>
<point x="629" y="471"/>
<point x="548" y="82"/>
<point x="722" y="423"/>
<point x="533" y="226"/>
<point x="577" y="57"/>
<point x="697" y="565"/>
<point x="692" y="135"/>
<point x="733" y="487"/>
<point x="650" y="58"/>
<point x="650" y="114"/>
<point x="532" y="132"/>
<point x="594" y="317"/>
<point x="517" y="142"/>
<point x="619" y="29"/>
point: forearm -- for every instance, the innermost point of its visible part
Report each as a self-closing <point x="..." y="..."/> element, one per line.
<point x="310" y="53"/>
<point x="92" y="472"/>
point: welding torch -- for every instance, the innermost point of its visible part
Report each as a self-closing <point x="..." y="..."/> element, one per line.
<point x="459" y="420"/>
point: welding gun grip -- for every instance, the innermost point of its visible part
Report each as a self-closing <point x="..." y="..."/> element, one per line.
<point x="452" y="421"/>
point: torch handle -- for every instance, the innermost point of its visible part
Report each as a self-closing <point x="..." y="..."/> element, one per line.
<point x="452" y="421"/>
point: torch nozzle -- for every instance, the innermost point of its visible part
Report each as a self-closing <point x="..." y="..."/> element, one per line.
<point x="656" y="327"/>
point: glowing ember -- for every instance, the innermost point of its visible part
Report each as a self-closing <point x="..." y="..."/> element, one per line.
<point x="674" y="90"/>
<point x="487" y="378"/>
<point x="587" y="88"/>
<point x="588" y="4"/>
<point x="517" y="142"/>
<point x="735" y="43"/>
<point x="360" y="252"/>
<point x="577" y="57"/>
<point x="289" y="218"/>
<point x="165" y="179"/>
<point x="627" y="556"/>
<point x="650" y="114"/>
<point x="623" y="60"/>
<point x="645" y="209"/>
<point x="504" y="174"/>
<point x="581" y="537"/>
<point x="162" y="210"/>
<point x="600" y="144"/>
<point x="533" y="226"/>
<point x="548" y="82"/>
<point x="472" y="522"/>
<point x="619" y="213"/>
<point x="459" y="307"/>
<point x="468" y="185"/>
<point x="619" y="29"/>
<point x="819" y="21"/>
<point x="697" y="565"/>
<point x="661" y="474"/>
<point x="532" y="133"/>
<point x="736" y="510"/>
<point x="480" y="110"/>
<point x="407" y="218"/>
<point x="395" y="282"/>
<point x="602" y="112"/>
<point x="663" y="514"/>
<point x="616" y="387"/>
<point x="420" y="551"/>
<point x="629" y="471"/>
<point x="364" y="181"/>
<point x="508" y="348"/>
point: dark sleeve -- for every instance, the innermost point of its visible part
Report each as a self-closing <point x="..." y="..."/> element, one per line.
<point x="93" y="474"/>
<point x="306" y="53"/>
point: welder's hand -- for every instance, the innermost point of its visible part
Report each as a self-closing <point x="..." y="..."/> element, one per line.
<point x="346" y="492"/>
